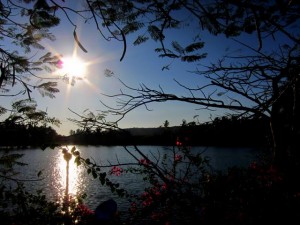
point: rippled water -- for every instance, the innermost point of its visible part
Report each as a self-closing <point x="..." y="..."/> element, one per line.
<point x="53" y="167"/>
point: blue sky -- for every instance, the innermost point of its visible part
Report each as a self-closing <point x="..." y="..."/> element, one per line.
<point x="140" y="65"/>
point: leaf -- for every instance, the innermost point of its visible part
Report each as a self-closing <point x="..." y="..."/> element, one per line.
<point x="132" y="27"/>
<point x="155" y="33"/>
<point x="41" y="4"/>
<point x="103" y="175"/>
<point x="169" y="55"/>
<point x="2" y="110"/>
<point x="158" y="50"/>
<point x="102" y="181"/>
<point x="89" y="170"/>
<point x="102" y="178"/>
<point x="88" y="161"/>
<point x="140" y="39"/>
<point x="120" y="192"/>
<point x="73" y="149"/>
<point x="108" y="73"/>
<point x="95" y="175"/>
<point x="193" y="58"/>
<point x="194" y="46"/>
<point x="177" y="47"/>
<point x="47" y="55"/>
<point x="77" y="161"/>
<point x="49" y="87"/>
<point x="39" y="173"/>
<point x="77" y="41"/>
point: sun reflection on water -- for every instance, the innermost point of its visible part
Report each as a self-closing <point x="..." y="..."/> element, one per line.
<point x="76" y="185"/>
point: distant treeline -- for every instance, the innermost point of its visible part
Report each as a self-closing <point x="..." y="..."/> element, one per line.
<point x="221" y="132"/>
<point x="22" y="136"/>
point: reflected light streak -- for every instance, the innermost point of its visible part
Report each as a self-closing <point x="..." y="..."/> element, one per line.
<point x="76" y="185"/>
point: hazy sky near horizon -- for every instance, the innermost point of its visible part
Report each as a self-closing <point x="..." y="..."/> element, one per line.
<point x="141" y="65"/>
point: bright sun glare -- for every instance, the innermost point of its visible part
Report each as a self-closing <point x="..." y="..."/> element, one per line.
<point x="72" y="66"/>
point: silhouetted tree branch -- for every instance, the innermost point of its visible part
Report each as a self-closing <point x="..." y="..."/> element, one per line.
<point x="262" y="80"/>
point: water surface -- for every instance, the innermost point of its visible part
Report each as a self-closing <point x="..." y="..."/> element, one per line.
<point x="53" y="167"/>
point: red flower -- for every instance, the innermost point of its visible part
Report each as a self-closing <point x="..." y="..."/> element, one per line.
<point x="178" y="142"/>
<point x="83" y="210"/>
<point x="178" y="158"/>
<point x="116" y="171"/>
<point x="164" y="187"/>
<point x="253" y="165"/>
<point x="133" y="207"/>
<point x="144" y="162"/>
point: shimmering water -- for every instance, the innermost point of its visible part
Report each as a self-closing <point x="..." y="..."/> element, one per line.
<point x="53" y="167"/>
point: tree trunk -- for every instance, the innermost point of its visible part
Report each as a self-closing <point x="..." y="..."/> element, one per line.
<point x="285" y="126"/>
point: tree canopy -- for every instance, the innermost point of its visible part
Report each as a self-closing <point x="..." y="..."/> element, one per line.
<point x="24" y="25"/>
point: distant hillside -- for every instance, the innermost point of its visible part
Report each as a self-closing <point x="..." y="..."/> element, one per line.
<point x="152" y="131"/>
<point x="221" y="132"/>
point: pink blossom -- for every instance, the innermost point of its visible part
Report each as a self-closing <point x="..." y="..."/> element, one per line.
<point x="155" y="191"/>
<point x="116" y="170"/>
<point x="178" y="158"/>
<point x="144" y="162"/>
<point x="253" y="165"/>
<point x="147" y="202"/>
<point x="147" y="199"/>
<point x="60" y="64"/>
<point x="178" y="142"/>
<point x="83" y="210"/>
<point x="133" y="207"/>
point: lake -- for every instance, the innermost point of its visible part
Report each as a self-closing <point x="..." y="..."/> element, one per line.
<point x="53" y="167"/>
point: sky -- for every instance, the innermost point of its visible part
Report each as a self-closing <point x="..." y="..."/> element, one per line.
<point x="141" y="65"/>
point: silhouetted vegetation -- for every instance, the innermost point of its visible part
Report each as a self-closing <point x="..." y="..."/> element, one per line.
<point x="222" y="131"/>
<point x="21" y="136"/>
<point x="260" y="81"/>
<point x="28" y="126"/>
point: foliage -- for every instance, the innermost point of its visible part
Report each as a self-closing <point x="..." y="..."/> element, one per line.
<point x="259" y="193"/>
<point x="222" y="131"/>
<point x="25" y="112"/>
<point x="25" y="206"/>
<point x="22" y="206"/>
<point x="95" y="171"/>
<point x="18" y="205"/>
<point x="259" y="80"/>
<point x="181" y="187"/>
<point x="29" y="124"/>
<point x="24" y="27"/>
<point x="175" y="187"/>
<point x="262" y="81"/>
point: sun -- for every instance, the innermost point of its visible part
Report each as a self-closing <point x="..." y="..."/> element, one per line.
<point x="72" y="66"/>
